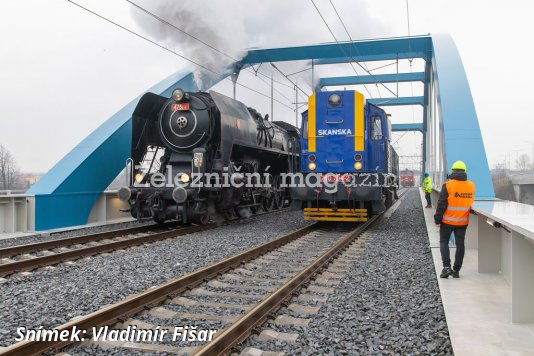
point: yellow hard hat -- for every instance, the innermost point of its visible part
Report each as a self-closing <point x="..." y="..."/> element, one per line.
<point x="458" y="165"/>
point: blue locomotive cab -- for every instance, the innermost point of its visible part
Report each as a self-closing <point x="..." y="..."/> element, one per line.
<point x="345" y="141"/>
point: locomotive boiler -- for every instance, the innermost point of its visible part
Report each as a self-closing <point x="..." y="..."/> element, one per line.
<point x="200" y="155"/>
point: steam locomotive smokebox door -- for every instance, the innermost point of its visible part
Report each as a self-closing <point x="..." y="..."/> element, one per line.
<point x="183" y="127"/>
<point x="199" y="160"/>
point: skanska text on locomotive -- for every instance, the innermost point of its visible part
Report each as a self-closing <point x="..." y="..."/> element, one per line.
<point x="187" y="333"/>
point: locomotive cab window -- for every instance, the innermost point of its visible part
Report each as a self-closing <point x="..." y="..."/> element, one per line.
<point x="305" y="128"/>
<point x="376" y="128"/>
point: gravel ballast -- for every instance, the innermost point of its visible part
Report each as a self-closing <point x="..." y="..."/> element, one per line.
<point x="75" y="232"/>
<point x="52" y="296"/>
<point x="387" y="303"/>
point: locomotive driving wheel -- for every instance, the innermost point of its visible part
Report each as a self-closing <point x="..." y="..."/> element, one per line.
<point x="204" y="219"/>
<point x="267" y="203"/>
<point x="229" y="214"/>
<point x="278" y="193"/>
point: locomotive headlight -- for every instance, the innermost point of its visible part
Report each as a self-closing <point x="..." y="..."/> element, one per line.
<point x="178" y="94"/>
<point x="358" y="166"/>
<point x="138" y="177"/>
<point x="334" y="99"/>
<point x="312" y="166"/>
<point x="184" y="178"/>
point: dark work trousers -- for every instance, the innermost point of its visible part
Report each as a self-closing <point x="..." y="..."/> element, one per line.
<point x="428" y="200"/>
<point x="445" y="231"/>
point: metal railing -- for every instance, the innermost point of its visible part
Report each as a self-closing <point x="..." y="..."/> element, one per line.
<point x="17" y="211"/>
<point x="14" y="212"/>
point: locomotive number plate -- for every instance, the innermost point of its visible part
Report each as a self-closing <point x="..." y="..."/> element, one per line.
<point x="183" y="106"/>
<point x="330" y="177"/>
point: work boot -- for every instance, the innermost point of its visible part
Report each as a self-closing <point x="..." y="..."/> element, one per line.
<point x="446" y="272"/>
<point x="455" y="274"/>
<point x="428" y="206"/>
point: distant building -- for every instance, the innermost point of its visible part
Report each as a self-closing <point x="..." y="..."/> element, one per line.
<point x="26" y="180"/>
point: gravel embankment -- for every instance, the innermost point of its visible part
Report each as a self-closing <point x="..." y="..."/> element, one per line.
<point x="387" y="304"/>
<point x="50" y="297"/>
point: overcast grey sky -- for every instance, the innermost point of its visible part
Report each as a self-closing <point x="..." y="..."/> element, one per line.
<point x="64" y="71"/>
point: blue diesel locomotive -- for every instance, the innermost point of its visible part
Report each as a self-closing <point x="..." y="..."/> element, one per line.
<point x="349" y="168"/>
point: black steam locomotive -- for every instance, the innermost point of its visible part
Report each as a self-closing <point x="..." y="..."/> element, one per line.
<point x="197" y="156"/>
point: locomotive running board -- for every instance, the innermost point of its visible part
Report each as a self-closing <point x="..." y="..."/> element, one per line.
<point x="327" y="214"/>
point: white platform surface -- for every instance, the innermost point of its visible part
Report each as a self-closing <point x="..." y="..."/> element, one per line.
<point x="520" y="216"/>
<point x="477" y="306"/>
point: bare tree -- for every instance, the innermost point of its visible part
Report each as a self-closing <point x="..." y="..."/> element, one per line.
<point x="8" y="169"/>
<point x="523" y="162"/>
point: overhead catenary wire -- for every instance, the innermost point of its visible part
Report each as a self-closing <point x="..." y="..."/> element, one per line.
<point x="364" y="67"/>
<point x="251" y="70"/>
<point x="401" y="136"/>
<point x="200" y="40"/>
<point x="276" y="90"/>
<point x="287" y="77"/>
<point x="383" y="66"/>
<point x="172" y="51"/>
<point x="339" y="45"/>
<point x="348" y="33"/>
<point x="409" y="32"/>
<point x="300" y="71"/>
<point x="410" y="59"/>
<point x="256" y="72"/>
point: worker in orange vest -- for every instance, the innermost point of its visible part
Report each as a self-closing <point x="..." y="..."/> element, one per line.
<point x="452" y="215"/>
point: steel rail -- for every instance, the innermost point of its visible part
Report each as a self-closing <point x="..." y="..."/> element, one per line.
<point x="243" y="327"/>
<point x="228" y="338"/>
<point x="38" y="262"/>
<point x="52" y="244"/>
<point x="137" y="303"/>
<point x="236" y="333"/>
<point x="43" y="261"/>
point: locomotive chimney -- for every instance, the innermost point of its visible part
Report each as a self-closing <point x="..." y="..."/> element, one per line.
<point x="235" y="75"/>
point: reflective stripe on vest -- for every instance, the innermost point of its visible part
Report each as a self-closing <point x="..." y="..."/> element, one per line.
<point x="458" y="208"/>
<point x="461" y="197"/>
<point x="457" y="219"/>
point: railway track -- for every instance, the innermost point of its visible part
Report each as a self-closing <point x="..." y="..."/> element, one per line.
<point x="254" y="284"/>
<point x="228" y="300"/>
<point x="29" y="257"/>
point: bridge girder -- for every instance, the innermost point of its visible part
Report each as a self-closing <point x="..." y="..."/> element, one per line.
<point x="373" y="79"/>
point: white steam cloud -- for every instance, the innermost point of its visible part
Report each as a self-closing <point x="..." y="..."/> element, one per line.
<point x="233" y="26"/>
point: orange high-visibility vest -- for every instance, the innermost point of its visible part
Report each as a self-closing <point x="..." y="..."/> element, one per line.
<point x="461" y="197"/>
